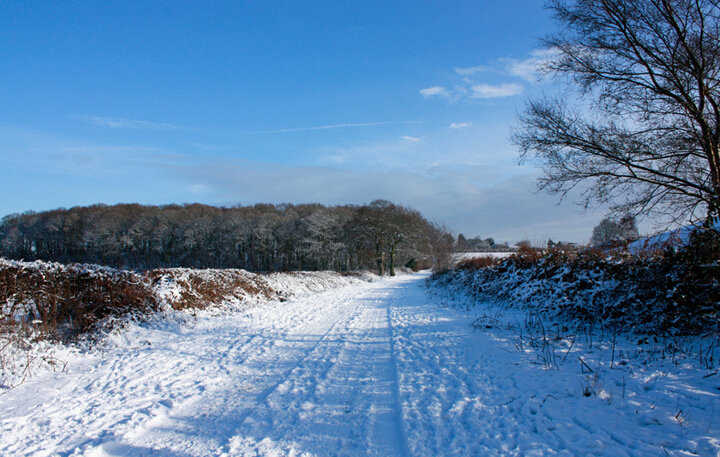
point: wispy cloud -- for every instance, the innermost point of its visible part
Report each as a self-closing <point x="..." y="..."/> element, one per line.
<point x="469" y="84"/>
<point x="467" y="71"/>
<point x="434" y="91"/>
<point x="468" y="88"/>
<point x="330" y="127"/>
<point x="531" y="68"/>
<point x="121" y="123"/>
<point x="495" y="91"/>
<point x="396" y="153"/>
<point x="460" y="125"/>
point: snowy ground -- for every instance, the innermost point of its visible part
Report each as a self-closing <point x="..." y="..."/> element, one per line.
<point x="379" y="369"/>
<point x="460" y="256"/>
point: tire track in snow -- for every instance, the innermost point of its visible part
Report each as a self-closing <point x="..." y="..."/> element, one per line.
<point x="265" y="393"/>
<point x="340" y="397"/>
<point x="225" y="409"/>
<point x="125" y="391"/>
<point x="399" y="421"/>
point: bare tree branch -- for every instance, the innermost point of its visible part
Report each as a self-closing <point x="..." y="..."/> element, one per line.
<point x="652" y="71"/>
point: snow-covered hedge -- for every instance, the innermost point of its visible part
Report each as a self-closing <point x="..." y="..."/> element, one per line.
<point x="182" y="288"/>
<point x="678" y="293"/>
<point x="61" y="301"/>
<point x="42" y="303"/>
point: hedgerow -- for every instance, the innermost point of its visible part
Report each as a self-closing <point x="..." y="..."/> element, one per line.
<point x="674" y="293"/>
<point x="61" y="302"/>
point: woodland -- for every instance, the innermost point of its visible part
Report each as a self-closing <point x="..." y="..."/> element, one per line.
<point x="264" y="237"/>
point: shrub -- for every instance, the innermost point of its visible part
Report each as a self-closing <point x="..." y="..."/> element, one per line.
<point x="676" y="293"/>
<point x="527" y="255"/>
<point x="67" y="300"/>
<point x="63" y="301"/>
<point x="476" y="263"/>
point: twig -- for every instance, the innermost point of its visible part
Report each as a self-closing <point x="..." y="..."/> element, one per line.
<point x="569" y="349"/>
<point x="585" y="365"/>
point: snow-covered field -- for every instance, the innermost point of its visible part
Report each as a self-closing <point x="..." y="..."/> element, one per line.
<point x="460" y="256"/>
<point x="380" y="368"/>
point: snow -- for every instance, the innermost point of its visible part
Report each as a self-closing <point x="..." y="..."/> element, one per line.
<point x="672" y="238"/>
<point x="174" y="283"/>
<point x="379" y="368"/>
<point x="581" y="396"/>
<point x="460" y="256"/>
<point x="25" y="353"/>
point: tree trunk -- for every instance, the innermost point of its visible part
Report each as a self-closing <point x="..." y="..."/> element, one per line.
<point x="713" y="214"/>
<point x="379" y="258"/>
<point x="392" y="260"/>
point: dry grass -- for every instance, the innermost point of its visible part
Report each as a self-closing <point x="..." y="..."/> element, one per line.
<point x="476" y="263"/>
<point x="528" y="255"/>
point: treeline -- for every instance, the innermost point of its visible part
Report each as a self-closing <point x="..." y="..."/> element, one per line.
<point x="478" y="244"/>
<point x="263" y="237"/>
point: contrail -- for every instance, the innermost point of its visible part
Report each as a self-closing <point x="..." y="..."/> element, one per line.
<point x="331" y="126"/>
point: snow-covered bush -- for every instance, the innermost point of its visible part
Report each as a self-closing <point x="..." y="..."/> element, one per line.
<point x="43" y="304"/>
<point x="59" y="301"/>
<point x="675" y="294"/>
<point x="64" y="300"/>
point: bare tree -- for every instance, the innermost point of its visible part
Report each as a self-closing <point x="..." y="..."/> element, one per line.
<point x="261" y="237"/>
<point x="628" y="228"/>
<point x="461" y="245"/>
<point x="609" y="232"/>
<point x="651" y="69"/>
<point x="605" y="233"/>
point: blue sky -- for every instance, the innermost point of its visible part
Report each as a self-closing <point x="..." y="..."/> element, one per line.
<point x="247" y="101"/>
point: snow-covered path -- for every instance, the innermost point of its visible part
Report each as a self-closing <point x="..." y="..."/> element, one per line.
<point x="371" y="369"/>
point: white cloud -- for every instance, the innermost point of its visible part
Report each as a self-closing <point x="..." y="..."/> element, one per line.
<point x="121" y="123"/>
<point x="335" y="159"/>
<point x="530" y="69"/>
<point x="460" y="125"/>
<point x="470" y="90"/>
<point x="495" y="91"/>
<point x="389" y="154"/>
<point x="467" y="71"/>
<point x="469" y="84"/>
<point x="434" y="91"/>
<point x="412" y="139"/>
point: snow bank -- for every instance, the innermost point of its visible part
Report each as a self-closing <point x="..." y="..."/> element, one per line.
<point x="181" y="288"/>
